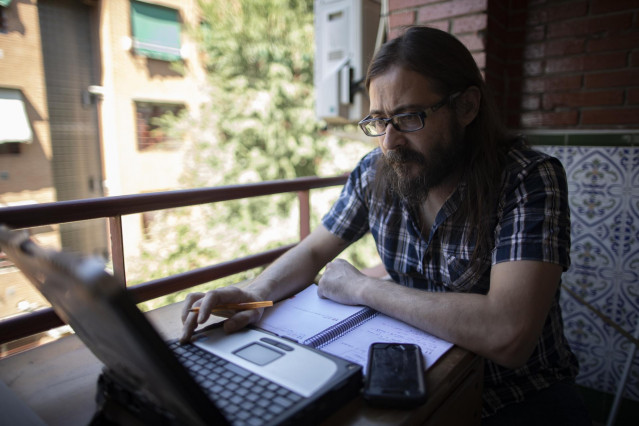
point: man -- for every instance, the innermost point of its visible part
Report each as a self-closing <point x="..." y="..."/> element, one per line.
<point x="472" y="227"/>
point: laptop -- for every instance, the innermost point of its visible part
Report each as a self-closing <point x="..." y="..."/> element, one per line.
<point x="249" y="377"/>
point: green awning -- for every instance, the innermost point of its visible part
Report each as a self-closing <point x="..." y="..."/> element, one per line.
<point x="5" y="3"/>
<point x="156" y="31"/>
<point x="14" y="123"/>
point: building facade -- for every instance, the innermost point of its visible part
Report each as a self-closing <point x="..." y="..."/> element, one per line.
<point x="81" y="85"/>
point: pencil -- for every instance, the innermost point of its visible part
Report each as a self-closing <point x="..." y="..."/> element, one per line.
<point x="237" y="306"/>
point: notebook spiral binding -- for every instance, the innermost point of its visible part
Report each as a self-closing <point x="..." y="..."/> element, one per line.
<point x="341" y="328"/>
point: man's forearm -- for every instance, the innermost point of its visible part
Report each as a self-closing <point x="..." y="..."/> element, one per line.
<point x="451" y="316"/>
<point x="289" y="274"/>
<point x="502" y="325"/>
<point x="298" y="267"/>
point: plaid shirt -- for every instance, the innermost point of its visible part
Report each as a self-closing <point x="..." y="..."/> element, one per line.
<point x="532" y="223"/>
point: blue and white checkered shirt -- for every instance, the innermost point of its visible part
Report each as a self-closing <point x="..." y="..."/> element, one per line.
<point x="532" y="223"/>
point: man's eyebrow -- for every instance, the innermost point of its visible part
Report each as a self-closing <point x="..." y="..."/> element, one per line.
<point x="399" y="110"/>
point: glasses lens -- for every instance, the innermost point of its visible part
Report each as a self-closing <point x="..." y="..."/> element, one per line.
<point x="374" y="127"/>
<point x="408" y="122"/>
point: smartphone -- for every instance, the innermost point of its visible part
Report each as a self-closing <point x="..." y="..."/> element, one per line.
<point x="395" y="375"/>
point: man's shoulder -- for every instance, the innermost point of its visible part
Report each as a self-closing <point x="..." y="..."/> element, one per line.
<point x="522" y="158"/>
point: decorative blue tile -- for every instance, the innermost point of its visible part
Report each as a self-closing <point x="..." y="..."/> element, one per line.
<point x="603" y="185"/>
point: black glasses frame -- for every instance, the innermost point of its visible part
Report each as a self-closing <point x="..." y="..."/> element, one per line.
<point x="393" y="119"/>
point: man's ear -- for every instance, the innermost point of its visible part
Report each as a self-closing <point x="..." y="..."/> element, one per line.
<point x="467" y="105"/>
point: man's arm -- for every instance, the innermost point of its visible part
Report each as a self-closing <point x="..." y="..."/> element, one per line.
<point x="503" y="325"/>
<point x="288" y="275"/>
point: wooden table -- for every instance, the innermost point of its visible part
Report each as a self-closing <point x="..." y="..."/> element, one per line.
<point x="58" y="382"/>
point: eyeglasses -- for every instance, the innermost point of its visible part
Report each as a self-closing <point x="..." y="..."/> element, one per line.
<point x="405" y="122"/>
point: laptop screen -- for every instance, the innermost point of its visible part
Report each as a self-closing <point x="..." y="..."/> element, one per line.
<point x="102" y="313"/>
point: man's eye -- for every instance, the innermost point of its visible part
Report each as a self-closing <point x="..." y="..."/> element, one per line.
<point x="411" y="119"/>
<point x="380" y="124"/>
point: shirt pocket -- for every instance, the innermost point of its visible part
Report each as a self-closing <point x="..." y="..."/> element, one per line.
<point x="462" y="276"/>
<point x="457" y="274"/>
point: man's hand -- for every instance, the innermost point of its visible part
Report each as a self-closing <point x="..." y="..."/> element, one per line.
<point x="289" y="274"/>
<point x="342" y="282"/>
<point x="207" y="301"/>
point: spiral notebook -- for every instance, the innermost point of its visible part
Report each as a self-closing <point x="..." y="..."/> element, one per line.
<point x="343" y="330"/>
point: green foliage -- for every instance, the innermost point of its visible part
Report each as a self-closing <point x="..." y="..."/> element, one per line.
<point x="259" y="58"/>
<point x="258" y="125"/>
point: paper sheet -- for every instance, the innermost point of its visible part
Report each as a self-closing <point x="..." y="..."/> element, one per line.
<point x="354" y="345"/>
<point x="304" y="315"/>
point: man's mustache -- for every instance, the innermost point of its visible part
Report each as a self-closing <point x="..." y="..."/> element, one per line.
<point x="403" y="155"/>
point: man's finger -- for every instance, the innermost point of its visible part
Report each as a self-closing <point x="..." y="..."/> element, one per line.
<point x="189" y="302"/>
<point x="219" y="296"/>
<point x="190" y="324"/>
<point x="242" y="319"/>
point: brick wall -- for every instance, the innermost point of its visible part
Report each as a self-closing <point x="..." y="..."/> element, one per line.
<point x="580" y="65"/>
<point x="570" y="64"/>
<point x="466" y="19"/>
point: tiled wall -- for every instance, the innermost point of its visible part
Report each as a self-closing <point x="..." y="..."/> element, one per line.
<point x="603" y="181"/>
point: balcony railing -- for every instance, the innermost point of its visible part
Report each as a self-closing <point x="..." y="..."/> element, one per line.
<point x="113" y="208"/>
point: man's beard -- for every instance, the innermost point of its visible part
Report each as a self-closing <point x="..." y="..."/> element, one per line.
<point x="443" y="160"/>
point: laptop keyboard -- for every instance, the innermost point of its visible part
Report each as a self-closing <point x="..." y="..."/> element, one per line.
<point x="243" y="397"/>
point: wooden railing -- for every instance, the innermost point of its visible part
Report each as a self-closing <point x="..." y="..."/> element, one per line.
<point x="113" y="208"/>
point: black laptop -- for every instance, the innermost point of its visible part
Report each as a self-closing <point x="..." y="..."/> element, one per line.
<point x="250" y="377"/>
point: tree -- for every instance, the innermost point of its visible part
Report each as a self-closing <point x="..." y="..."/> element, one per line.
<point x="259" y="125"/>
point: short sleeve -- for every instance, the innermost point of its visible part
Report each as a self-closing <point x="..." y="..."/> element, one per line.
<point x="348" y="217"/>
<point x="534" y="216"/>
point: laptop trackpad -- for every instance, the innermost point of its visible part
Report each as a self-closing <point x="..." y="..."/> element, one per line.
<point x="292" y="366"/>
<point x="258" y="354"/>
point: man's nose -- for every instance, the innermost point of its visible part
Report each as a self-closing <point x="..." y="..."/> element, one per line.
<point x="392" y="138"/>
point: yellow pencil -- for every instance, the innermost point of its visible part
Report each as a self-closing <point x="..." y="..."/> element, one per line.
<point x="237" y="306"/>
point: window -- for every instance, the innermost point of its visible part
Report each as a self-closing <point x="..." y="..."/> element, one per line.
<point x="148" y="118"/>
<point x="9" y="148"/>
<point x="14" y="123"/>
<point x="3" y="15"/>
<point x="156" y="31"/>
<point x="3" y="20"/>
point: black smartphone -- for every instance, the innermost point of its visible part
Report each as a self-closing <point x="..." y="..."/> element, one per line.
<point x="395" y="375"/>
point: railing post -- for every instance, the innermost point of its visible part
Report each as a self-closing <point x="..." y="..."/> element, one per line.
<point x="305" y="213"/>
<point x="117" y="247"/>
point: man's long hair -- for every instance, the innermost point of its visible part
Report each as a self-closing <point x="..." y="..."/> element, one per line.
<point x="450" y="68"/>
